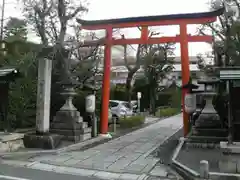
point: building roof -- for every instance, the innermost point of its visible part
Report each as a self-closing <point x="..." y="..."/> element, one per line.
<point x="192" y="59"/>
<point x="200" y="86"/>
<point x="118" y="61"/>
<point x="165" y="82"/>
<point x="177" y="68"/>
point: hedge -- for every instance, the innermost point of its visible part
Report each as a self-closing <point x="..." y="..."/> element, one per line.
<point x="133" y="121"/>
<point x="166" y="112"/>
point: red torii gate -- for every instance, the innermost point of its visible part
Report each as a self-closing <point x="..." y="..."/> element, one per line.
<point x="176" y="19"/>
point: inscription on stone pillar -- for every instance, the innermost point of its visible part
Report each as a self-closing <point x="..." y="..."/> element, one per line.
<point x="43" y="95"/>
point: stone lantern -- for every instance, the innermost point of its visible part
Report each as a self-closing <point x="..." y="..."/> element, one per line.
<point x="209" y="117"/>
<point x="68" y="122"/>
<point x="68" y="94"/>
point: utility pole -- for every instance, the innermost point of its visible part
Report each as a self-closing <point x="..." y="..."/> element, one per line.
<point x="2" y="18"/>
<point x="94" y="120"/>
<point x="4" y="86"/>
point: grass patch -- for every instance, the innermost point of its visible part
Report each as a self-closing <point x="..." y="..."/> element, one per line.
<point x="166" y="112"/>
<point x="130" y="122"/>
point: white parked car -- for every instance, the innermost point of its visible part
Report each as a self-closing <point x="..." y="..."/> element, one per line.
<point x="109" y="116"/>
<point x="110" y="119"/>
<point x="120" y="109"/>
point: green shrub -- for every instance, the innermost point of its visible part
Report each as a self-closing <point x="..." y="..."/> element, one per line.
<point x="22" y="93"/>
<point x="166" y="112"/>
<point x="130" y="122"/>
<point x="176" y="98"/>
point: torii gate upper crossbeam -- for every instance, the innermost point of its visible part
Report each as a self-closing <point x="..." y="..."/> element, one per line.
<point x="156" y="40"/>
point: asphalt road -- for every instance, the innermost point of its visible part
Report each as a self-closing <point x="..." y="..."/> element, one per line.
<point x="18" y="173"/>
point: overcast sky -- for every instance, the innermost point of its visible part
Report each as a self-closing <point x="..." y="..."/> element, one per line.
<point x="105" y="9"/>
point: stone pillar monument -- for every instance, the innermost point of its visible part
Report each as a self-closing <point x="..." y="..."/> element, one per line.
<point x="42" y="138"/>
<point x="43" y="96"/>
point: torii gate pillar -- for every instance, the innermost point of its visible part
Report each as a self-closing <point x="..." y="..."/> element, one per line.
<point x="185" y="71"/>
<point x="106" y="82"/>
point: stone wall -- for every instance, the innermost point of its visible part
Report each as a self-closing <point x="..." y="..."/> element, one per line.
<point x="11" y="142"/>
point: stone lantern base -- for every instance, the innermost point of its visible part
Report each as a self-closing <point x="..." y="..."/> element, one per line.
<point x="70" y="124"/>
<point x="208" y="121"/>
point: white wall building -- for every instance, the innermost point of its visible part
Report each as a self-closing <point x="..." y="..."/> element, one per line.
<point x="120" y="72"/>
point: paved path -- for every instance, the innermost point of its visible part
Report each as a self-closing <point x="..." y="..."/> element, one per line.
<point x="129" y="153"/>
<point x="150" y="119"/>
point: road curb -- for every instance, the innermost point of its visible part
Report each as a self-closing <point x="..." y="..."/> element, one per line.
<point x="76" y="171"/>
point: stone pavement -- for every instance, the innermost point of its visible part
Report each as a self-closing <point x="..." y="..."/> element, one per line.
<point x="150" y="119"/>
<point x="127" y="154"/>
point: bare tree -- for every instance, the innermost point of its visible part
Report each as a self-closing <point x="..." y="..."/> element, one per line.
<point x="85" y="58"/>
<point x="132" y="69"/>
<point x="53" y="21"/>
<point x="158" y="62"/>
<point x="226" y="32"/>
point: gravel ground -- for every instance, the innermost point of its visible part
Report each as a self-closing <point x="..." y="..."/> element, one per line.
<point x="192" y="157"/>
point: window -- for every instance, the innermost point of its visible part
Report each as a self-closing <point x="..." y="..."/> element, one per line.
<point x="113" y="104"/>
<point x="194" y="74"/>
<point x="127" y="105"/>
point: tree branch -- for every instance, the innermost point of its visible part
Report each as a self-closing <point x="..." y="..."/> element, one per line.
<point x="138" y="58"/>
<point x="81" y="8"/>
<point x="125" y="58"/>
<point x="237" y="3"/>
<point x="217" y="32"/>
<point x="53" y="28"/>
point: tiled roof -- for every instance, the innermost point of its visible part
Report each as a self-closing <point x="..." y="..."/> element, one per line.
<point x="118" y="61"/>
<point x="177" y="68"/>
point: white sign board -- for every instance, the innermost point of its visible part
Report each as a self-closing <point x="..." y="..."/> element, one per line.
<point x="90" y="103"/>
<point x="139" y="95"/>
<point x="190" y="103"/>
